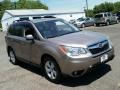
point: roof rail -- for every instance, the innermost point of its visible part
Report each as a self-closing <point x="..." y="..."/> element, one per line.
<point x="19" y="20"/>
<point x="33" y="17"/>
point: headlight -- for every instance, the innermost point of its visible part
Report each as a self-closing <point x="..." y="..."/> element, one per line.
<point x="74" y="51"/>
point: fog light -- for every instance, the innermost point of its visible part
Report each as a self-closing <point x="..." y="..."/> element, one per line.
<point x="77" y="73"/>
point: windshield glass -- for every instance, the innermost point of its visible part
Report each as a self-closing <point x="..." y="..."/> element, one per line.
<point x="80" y="19"/>
<point x="55" y="28"/>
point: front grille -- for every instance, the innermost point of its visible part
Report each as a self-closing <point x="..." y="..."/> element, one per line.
<point x="99" y="47"/>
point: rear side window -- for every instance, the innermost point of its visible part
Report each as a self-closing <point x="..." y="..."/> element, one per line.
<point x="109" y="14"/>
<point x="105" y="15"/>
<point x="99" y="16"/>
<point x="16" y="30"/>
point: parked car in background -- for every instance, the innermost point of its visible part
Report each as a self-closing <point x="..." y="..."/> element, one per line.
<point x="118" y="15"/>
<point x="73" y="22"/>
<point x="106" y="18"/>
<point x="84" y="22"/>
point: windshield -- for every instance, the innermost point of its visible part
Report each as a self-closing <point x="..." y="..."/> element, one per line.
<point x="55" y="28"/>
<point x="98" y="16"/>
<point x="81" y="19"/>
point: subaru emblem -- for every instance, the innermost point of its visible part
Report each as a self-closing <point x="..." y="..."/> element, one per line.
<point x="100" y="45"/>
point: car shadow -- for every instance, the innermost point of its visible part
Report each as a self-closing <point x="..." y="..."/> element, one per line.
<point x="31" y="68"/>
<point x="88" y="78"/>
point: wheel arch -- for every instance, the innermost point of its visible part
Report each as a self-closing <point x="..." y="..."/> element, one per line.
<point x="48" y="55"/>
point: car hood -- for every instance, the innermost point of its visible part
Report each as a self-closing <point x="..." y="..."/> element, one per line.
<point x="82" y="38"/>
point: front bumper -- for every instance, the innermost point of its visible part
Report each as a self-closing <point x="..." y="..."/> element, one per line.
<point x="79" y="25"/>
<point x="80" y="66"/>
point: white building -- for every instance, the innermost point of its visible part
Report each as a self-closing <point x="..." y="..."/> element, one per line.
<point x="10" y="16"/>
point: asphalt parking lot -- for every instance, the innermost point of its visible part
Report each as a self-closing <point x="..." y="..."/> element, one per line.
<point x="26" y="77"/>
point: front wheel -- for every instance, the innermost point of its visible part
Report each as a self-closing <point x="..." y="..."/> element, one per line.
<point x="83" y="25"/>
<point x="52" y="70"/>
<point x="12" y="56"/>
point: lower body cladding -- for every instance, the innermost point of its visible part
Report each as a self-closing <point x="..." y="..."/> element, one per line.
<point x="76" y="67"/>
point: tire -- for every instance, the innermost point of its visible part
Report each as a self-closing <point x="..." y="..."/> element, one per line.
<point x="97" y="25"/>
<point x="117" y="21"/>
<point x="12" y="56"/>
<point x="107" y="23"/>
<point x="52" y="70"/>
<point x="94" y="25"/>
<point x="83" y="25"/>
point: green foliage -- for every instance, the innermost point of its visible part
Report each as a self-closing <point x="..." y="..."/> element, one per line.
<point x="21" y="4"/>
<point x="30" y="4"/>
<point x="116" y="7"/>
<point x="89" y="13"/>
<point x="104" y="7"/>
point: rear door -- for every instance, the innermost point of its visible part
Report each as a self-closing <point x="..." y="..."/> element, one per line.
<point x="87" y="22"/>
<point x="14" y="38"/>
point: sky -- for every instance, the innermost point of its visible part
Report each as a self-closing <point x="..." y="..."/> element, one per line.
<point x="72" y="4"/>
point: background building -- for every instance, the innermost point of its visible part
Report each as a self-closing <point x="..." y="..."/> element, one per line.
<point x="10" y="16"/>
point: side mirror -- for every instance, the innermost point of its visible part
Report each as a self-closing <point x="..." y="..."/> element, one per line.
<point x="29" y="37"/>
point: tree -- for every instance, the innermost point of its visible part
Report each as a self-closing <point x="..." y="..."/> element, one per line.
<point x="104" y="7"/>
<point x="21" y="4"/>
<point x="116" y="7"/>
<point x="30" y="4"/>
<point x="89" y="13"/>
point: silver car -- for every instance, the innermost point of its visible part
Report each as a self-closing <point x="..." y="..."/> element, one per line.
<point x="84" y="22"/>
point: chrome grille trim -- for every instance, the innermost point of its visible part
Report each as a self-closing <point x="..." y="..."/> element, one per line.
<point x="99" y="47"/>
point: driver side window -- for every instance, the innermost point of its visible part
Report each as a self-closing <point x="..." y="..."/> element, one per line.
<point x="29" y="30"/>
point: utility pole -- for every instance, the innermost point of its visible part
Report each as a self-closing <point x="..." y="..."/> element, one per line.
<point x="87" y="4"/>
<point x="86" y="11"/>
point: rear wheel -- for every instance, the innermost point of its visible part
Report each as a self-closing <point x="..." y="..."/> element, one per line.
<point x="83" y="25"/>
<point x="107" y="23"/>
<point x="117" y="21"/>
<point x="52" y="70"/>
<point x="12" y="56"/>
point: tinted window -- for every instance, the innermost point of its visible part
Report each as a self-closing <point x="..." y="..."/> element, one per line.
<point x="109" y="14"/>
<point x="118" y="14"/>
<point x="24" y="18"/>
<point x="29" y="30"/>
<point x="17" y="30"/>
<point x="99" y="16"/>
<point x="36" y="17"/>
<point x="87" y="19"/>
<point x="105" y="15"/>
<point x="80" y="19"/>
